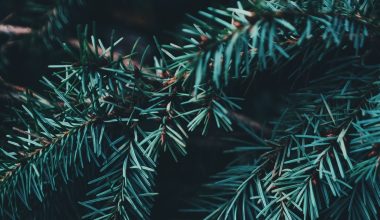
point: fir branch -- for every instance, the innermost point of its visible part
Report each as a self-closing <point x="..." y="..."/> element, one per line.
<point x="64" y="134"/>
<point x="124" y="191"/>
<point x="14" y="30"/>
<point x="322" y="153"/>
<point x="364" y="176"/>
<point x="89" y="99"/>
<point x="315" y="158"/>
<point x="236" y="38"/>
<point x="328" y="163"/>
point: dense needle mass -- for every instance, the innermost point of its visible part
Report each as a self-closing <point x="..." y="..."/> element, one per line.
<point x="107" y="117"/>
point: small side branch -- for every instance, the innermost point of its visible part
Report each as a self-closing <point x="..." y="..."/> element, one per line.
<point x="12" y="30"/>
<point x="247" y="121"/>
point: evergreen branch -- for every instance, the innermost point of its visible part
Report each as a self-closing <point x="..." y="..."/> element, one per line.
<point x="213" y="104"/>
<point x="319" y="174"/>
<point x="240" y="191"/>
<point x="39" y="159"/>
<point x="88" y="100"/>
<point x="236" y="38"/>
<point x="106" y="108"/>
<point x="63" y="134"/>
<point x="364" y="176"/>
<point x="124" y="191"/>
<point x="316" y="158"/>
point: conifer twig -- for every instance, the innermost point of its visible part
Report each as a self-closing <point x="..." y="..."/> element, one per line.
<point x="240" y="118"/>
<point x="13" y="30"/>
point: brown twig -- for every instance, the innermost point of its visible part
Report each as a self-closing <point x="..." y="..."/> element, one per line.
<point x="42" y="139"/>
<point x="240" y="118"/>
<point x="12" y="30"/>
<point x="10" y="87"/>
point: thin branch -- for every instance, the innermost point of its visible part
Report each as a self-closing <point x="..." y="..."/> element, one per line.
<point x="8" y="17"/>
<point x="14" y="30"/>
<point x="245" y="120"/>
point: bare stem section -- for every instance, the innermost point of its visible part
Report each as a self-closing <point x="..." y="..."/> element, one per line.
<point x="14" y="30"/>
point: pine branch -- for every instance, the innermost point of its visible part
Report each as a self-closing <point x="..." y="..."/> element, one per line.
<point x="105" y="109"/>
<point x="314" y="151"/>
<point x="364" y="176"/>
<point x="63" y="134"/>
<point x="228" y="42"/>
<point x="88" y="100"/>
<point x="124" y="191"/>
<point x="325" y="168"/>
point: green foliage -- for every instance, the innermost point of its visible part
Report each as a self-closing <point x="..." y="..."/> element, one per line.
<point x="127" y="183"/>
<point x="106" y="111"/>
<point x="102" y="112"/>
<point x="259" y="32"/>
<point x="320" y="155"/>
